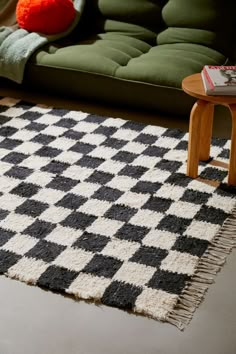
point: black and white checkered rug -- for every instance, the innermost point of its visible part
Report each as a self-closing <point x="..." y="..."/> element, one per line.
<point x="101" y="208"/>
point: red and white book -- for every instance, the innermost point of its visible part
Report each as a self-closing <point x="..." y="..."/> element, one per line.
<point x="219" y="80"/>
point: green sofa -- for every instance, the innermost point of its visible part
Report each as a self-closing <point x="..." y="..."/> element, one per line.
<point x="136" y="52"/>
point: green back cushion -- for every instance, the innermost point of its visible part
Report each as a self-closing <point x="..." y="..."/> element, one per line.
<point x="141" y="19"/>
<point x="207" y="22"/>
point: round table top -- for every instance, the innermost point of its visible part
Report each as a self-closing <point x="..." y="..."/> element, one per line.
<point x="193" y="86"/>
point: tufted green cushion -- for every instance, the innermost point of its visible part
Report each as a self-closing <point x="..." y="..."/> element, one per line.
<point x="129" y="58"/>
<point x="207" y="22"/>
<point x="139" y="18"/>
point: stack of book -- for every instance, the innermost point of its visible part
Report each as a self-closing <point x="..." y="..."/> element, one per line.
<point x="219" y="80"/>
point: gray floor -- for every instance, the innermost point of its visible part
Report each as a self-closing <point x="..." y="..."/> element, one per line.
<point x="34" y="321"/>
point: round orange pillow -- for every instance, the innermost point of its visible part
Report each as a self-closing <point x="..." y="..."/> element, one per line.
<point x="45" y="16"/>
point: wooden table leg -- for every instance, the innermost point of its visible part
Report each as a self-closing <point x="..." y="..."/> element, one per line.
<point x="206" y="132"/>
<point x="232" y="159"/>
<point x="194" y="138"/>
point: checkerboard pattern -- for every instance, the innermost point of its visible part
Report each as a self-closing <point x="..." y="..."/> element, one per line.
<point x="101" y="208"/>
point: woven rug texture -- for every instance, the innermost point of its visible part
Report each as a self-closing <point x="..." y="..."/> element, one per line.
<point x="101" y="208"/>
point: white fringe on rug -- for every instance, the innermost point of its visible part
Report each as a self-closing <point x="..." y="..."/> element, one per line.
<point x="209" y="265"/>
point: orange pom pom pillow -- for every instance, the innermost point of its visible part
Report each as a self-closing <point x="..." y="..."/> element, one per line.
<point x="45" y="16"/>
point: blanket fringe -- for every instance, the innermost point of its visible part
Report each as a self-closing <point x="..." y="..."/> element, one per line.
<point x="209" y="265"/>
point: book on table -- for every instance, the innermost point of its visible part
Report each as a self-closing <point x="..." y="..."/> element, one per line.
<point x="219" y="80"/>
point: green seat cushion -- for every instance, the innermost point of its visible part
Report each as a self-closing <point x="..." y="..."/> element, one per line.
<point x="121" y="69"/>
<point x="128" y="58"/>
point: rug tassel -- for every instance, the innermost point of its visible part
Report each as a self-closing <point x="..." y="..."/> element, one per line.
<point x="208" y="267"/>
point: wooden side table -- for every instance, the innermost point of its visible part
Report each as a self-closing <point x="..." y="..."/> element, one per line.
<point x="200" y="127"/>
